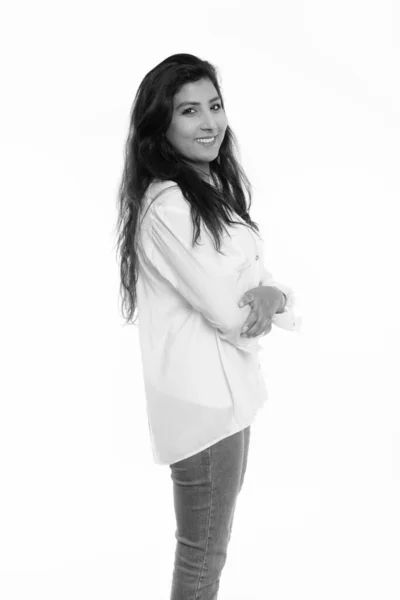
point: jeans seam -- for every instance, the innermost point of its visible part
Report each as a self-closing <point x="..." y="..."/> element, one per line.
<point x="208" y="526"/>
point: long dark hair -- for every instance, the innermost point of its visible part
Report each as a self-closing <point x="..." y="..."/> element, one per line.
<point x="149" y="156"/>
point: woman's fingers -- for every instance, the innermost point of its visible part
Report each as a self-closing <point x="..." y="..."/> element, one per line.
<point x="268" y="328"/>
<point x="257" y="329"/>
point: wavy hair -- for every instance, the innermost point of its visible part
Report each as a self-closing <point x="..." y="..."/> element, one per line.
<point x="149" y="156"/>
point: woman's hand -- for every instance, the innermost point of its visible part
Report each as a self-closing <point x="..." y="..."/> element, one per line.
<point x="264" y="302"/>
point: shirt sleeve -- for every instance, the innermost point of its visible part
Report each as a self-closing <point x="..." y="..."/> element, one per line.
<point x="209" y="281"/>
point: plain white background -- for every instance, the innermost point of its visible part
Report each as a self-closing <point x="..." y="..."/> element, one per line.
<point x="312" y="92"/>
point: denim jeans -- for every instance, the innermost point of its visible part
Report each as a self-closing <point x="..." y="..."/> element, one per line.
<point x="206" y="487"/>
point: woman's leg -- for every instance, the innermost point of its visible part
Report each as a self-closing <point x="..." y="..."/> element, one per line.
<point x="206" y="487"/>
<point x="246" y="443"/>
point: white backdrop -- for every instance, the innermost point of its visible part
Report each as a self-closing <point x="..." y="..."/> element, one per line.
<point x="312" y="91"/>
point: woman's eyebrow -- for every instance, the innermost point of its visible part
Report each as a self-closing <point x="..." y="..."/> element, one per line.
<point x="196" y="103"/>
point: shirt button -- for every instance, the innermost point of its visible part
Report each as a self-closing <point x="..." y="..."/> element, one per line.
<point x="257" y="257"/>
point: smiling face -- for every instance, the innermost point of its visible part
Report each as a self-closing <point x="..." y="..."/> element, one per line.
<point x="197" y="113"/>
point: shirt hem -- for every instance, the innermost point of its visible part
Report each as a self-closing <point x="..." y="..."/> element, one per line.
<point x="235" y="429"/>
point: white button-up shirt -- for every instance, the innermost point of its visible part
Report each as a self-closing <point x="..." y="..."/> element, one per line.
<point x="202" y="379"/>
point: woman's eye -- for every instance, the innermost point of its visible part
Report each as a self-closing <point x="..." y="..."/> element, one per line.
<point x="186" y="111"/>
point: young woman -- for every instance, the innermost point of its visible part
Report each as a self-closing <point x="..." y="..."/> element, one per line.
<point x="202" y="377"/>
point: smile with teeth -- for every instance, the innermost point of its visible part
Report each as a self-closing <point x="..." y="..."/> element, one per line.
<point x="206" y="140"/>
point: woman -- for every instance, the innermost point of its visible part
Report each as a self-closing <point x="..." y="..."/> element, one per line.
<point x="201" y="372"/>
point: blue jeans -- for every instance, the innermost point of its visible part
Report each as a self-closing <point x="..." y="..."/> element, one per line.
<point x="206" y="487"/>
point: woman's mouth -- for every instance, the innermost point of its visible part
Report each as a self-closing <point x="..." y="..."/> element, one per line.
<point x="207" y="141"/>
